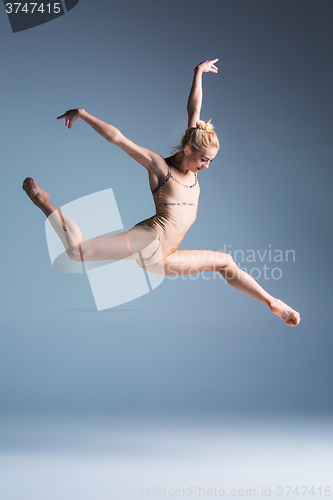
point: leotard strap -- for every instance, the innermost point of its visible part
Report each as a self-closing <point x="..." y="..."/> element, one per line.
<point x="184" y="203"/>
<point x="184" y="185"/>
<point x="165" y="180"/>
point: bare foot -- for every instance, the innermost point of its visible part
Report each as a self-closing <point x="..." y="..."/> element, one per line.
<point x="35" y="193"/>
<point x="286" y="313"/>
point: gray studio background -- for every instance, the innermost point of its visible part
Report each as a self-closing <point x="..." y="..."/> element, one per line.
<point x="191" y="344"/>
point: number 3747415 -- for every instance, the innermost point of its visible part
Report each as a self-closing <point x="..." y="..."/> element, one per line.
<point x="30" y="8"/>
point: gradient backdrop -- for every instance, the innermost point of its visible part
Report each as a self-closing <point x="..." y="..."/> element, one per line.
<point x="193" y="345"/>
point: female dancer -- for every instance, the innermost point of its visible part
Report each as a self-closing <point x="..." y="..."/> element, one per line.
<point x="175" y="188"/>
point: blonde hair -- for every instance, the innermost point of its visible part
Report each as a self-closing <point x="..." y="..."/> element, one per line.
<point x="198" y="138"/>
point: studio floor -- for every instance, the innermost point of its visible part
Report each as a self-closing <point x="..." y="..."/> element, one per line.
<point x="111" y="457"/>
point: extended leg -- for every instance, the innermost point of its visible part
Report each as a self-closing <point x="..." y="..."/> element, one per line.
<point x="124" y="245"/>
<point x="197" y="261"/>
<point x="67" y="230"/>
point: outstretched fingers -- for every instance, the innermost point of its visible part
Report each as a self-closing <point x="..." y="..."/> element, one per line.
<point x="213" y="67"/>
<point x="67" y="121"/>
<point x="209" y="66"/>
<point x="70" y="117"/>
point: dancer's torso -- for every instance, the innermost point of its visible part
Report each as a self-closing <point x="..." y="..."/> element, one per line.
<point x="176" y="209"/>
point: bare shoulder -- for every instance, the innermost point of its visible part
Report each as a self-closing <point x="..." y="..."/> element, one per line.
<point x="152" y="161"/>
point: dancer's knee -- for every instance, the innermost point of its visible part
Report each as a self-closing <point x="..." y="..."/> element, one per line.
<point x="225" y="261"/>
<point x="75" y="253"/>
<point x="229" y="269"/>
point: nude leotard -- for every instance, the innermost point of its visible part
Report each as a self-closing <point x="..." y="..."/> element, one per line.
<point x="176" y="209"/>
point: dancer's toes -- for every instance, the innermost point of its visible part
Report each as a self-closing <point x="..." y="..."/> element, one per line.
<point x="294" y="320"/>
<point x="286" y="313"/>
<point x="34" y="192"/>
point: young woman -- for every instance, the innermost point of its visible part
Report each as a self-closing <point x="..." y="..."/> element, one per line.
<point x="175" y="188"/>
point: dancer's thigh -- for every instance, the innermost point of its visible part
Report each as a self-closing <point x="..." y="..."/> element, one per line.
<point x="125" y="245"/>
<point x="192" y="261"/>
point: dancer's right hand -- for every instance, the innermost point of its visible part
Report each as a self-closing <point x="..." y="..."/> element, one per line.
<point x="207" y="66"/>
<point x="70" y="117"/>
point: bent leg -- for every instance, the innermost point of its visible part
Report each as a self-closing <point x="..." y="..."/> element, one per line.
<point x="184" y="262"/>
<point x="198" y="261"/>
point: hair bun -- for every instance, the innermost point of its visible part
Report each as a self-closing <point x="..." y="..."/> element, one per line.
<point x="201" y="125"/>
<point x="199" y="138"/>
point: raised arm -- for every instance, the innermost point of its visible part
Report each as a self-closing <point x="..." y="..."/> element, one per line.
<point x="153" y="162"/>
<point x="195" y="98"/>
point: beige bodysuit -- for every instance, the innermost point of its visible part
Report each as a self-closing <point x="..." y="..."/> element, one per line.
<point x="176" y="209"/>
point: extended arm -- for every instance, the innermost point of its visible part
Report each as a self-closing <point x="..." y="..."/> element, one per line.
<point x="150" y="160"/>
<point x="195" y="98"/>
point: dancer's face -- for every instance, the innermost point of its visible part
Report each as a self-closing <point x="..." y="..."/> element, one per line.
<point x="198" y="160"/>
